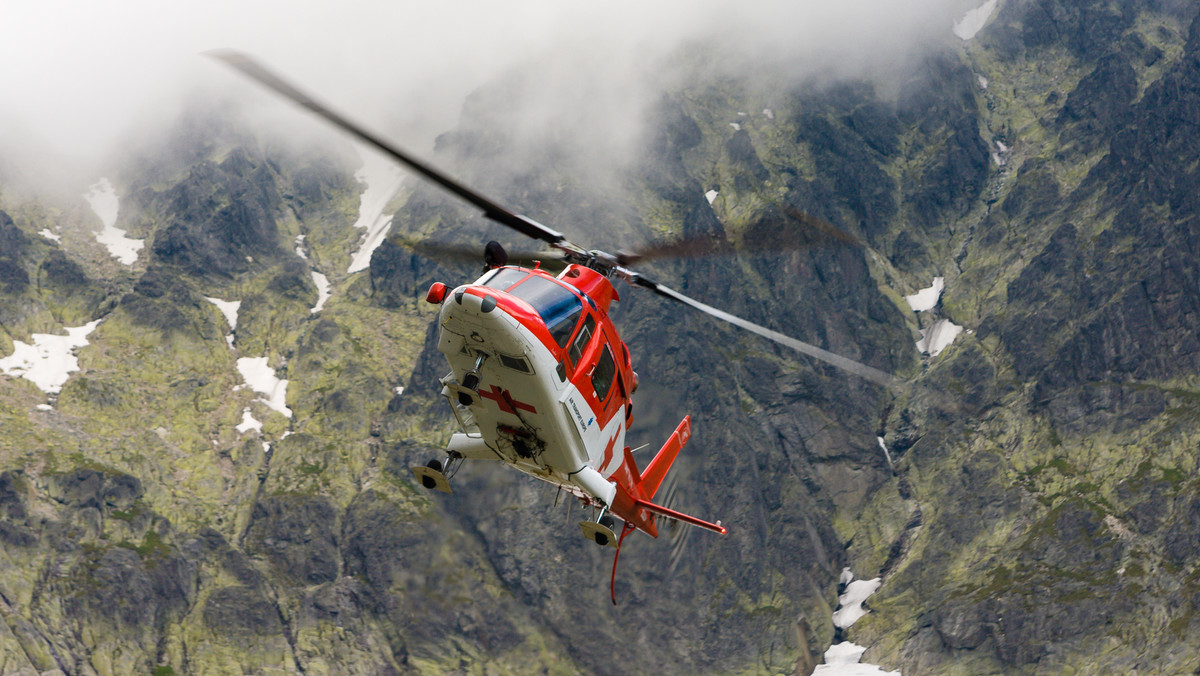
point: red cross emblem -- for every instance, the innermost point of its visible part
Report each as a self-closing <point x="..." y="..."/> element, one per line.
<point x="505" y="401"/>
<point x="608" y="451"/>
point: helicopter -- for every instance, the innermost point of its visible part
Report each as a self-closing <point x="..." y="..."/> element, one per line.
<point x="540" y="378"/>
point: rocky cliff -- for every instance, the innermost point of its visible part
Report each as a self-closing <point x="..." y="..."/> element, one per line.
<point x="222" y="486"/>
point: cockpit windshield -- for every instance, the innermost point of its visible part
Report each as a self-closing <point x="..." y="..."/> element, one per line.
<point x="557" y="305"/>
<point x="505" y="277"/>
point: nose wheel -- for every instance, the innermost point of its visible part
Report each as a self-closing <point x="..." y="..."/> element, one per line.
<point x="470" y="380"/>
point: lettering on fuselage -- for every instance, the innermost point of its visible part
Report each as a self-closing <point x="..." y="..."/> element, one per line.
<point x="579" y="419"/>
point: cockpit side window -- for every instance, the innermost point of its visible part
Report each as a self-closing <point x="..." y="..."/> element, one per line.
<point x="602" y="376"/>
<point x="582" y="339"/>
<point x="561" y="332"/>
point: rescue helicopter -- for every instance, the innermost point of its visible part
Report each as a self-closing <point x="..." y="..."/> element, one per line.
<point x="540" y="378"/>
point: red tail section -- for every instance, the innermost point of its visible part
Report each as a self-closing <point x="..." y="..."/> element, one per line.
<point x="657" y="470"/>
<point x="635" y="489"/>
<point x="636" y="506"/>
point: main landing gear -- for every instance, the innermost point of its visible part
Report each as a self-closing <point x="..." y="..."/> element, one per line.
<point x="436" y="476"/>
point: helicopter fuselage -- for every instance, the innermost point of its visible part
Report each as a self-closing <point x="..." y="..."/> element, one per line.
<point x="540" y="379"/>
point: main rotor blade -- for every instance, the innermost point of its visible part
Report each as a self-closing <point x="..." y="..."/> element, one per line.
<point x="862" y="370"/>
<point x="461" y="253"/>
<point x="257" y="72"/>
<point x="814" y="232"/>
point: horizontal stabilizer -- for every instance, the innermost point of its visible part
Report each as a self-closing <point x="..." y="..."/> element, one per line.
<point x="679" y="516"/>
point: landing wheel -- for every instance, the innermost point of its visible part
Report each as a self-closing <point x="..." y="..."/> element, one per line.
<point x="471" y="381"/>
<point x="431" y="476"/>
<point x="602" y="537"/>
<point x="429" y="481"/>
<point x="600" y="532"/>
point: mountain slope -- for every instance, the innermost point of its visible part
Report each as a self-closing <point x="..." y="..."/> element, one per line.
<point x="223" y="484"/>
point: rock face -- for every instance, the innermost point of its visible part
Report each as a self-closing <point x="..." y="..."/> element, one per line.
<point x="1029" y="498"/>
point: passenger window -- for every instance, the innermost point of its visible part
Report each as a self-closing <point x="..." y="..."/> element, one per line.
<point x="515" y="363"/>
<point x="582" y="339"/>
<point x="602" y="376"/>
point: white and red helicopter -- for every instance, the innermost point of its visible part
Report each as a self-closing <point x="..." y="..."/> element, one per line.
<point x="540" y="378"/>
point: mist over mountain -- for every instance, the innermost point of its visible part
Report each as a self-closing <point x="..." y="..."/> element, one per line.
<point x="208" y="420"/>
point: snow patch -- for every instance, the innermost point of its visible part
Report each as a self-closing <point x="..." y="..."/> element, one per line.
<point x="983" y="81"/>
<point x="927" y="298"/>
<point x="248" y="423"/>
<point x="974" y="20"/>
<point x="322" y="291"/>
<point x="769" y="113"/>
<point x="999" y="156"/>
<point x="262" y="379"/>
<point x="846" y="577"/>
<point x="851" y="602"/>
<point x="229" y="308"/>
<point x="886" y="453"/>
<point x="842" y="659"/>
<point x="711" y="196"/>
<point x="300" y="247"/>
<point x="50" y="360"/>
<point x="399" y="390"/>
<point x="844" y="653"/>
<point x="45" y="232"/>
<point x="938" y="337"/>
<point x="103" y="200"/>
<point x="736" y="126"/>
<point x="382" y="180"/>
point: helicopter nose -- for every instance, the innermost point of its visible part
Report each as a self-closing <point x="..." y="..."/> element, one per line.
<point x="482" y="318"/>
<point x="483" y="323"/>
<point x="475" y="305"/>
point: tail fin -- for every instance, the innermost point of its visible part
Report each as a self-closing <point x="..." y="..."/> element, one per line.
<point x="657" y="470"/>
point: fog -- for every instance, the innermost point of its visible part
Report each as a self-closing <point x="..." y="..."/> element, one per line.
<point x="81" y="78"/>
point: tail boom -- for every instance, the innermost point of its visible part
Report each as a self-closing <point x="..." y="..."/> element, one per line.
<point x="636" y="489"/>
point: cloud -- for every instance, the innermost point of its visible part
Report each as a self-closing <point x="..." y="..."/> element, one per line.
<point x="83" y="75"/>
